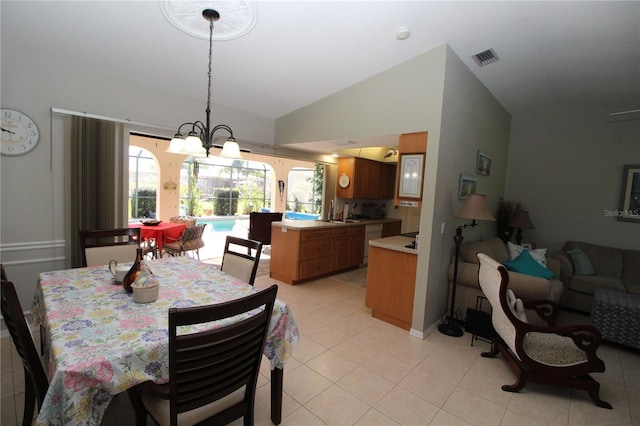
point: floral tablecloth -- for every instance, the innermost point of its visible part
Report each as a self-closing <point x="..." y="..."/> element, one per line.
<point x="99" y="342"/>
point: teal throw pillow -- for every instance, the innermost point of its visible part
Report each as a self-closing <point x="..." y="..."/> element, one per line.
<point x="581" y="262"/>
<point x="525" y="264"/>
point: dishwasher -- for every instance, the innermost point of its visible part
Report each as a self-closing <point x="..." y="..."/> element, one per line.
<point x="372" y="232"/>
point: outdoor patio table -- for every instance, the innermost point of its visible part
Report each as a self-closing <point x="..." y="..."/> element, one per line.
<point x="160" y="231"/>
<point x="99" y="342"/>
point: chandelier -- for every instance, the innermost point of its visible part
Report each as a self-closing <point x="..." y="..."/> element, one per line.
<point x="199" y="135"/>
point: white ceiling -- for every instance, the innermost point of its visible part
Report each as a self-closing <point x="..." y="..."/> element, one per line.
<point x="551" y="53"/>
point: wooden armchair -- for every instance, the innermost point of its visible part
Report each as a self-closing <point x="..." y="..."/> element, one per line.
<point x="561" y="356"/>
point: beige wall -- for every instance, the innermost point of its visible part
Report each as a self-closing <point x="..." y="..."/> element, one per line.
<point x="433" y="92"/>
<point x="565" y="166"/>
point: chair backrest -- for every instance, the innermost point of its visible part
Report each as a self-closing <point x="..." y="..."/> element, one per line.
<point x="494" y="279"/>
<point x="187" y="220"/>
<point x="260" y="226"/>
<point x="192" y="237"/>
<point x="99" y="246"/>
<point x="35" y="376"/>
<point x="209" y="365"/>
<point x="242" y="264"/>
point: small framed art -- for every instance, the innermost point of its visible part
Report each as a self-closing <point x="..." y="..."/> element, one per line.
<point x="630" y="194"/>
<point x="466" y="186"/>
<point x="411" y="168"/>
<point x="483" y="164"/>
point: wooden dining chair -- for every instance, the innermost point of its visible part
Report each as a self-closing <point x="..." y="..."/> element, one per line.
<point x="241" y="264"/>
<point x="35" y="380"/>
<point x="3" y="273"/>
<point x="99" y="246"/>
<point x="190" y="240"/>
<point x="212" y="373"/>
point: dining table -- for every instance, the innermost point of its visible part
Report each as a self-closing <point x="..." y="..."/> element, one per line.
<point x="98" y="342"/>
<point x="159" y="232"/>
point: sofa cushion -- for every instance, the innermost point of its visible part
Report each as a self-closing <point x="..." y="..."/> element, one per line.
<point x="499" y="249"/>
<point x="631" y="268"/>
<point x="588" y="283"/>
<point x="516" y="306"/>
<point x="607" y="261"/>
<point x="525" y="264"/>
<point x="580" y="262"/>
<point x="469" y="251"/>
<point x="556" y="290"/>
<point x="540" y="255"/>
<point x="494" y="248"/>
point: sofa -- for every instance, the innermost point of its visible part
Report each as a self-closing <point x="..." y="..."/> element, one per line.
<point x="525" y="287"/>
<point x="587" y="266"/>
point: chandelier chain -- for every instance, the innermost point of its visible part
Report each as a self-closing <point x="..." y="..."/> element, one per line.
<point x="210" y="59"/>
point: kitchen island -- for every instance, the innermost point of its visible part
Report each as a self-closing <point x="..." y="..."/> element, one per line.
<point x="302" y="250"/>
<point x="391" y="277"/>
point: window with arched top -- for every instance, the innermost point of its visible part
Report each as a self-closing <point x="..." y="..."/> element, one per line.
<point x="143" y="183"/>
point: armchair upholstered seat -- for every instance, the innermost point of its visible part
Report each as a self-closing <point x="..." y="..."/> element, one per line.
<point x="561" y="356"/>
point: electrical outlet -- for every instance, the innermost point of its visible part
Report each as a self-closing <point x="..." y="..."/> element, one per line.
<point x="443" y="227"/>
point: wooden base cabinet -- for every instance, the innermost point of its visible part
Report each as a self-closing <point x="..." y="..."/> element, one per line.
<point x="299" y="255"/>
<point x="391" y="279"/>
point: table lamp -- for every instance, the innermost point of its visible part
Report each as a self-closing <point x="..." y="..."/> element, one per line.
<point x="521" y="221"/>
<point x="474" y="208"/>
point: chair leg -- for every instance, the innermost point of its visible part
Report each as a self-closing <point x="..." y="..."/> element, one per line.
<point x="29" y="400"/>
<point x="594" y="394"/>
<point x="493" y="352"/>
<point x="517" y="386"/>
<point x="138" y="406"/>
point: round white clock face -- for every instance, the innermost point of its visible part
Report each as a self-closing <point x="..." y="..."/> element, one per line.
<point x="19" y="133"/>
<point x="343" y="181"/>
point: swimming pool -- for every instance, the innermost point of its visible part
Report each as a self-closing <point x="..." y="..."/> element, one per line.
<point x="222" y="224"/>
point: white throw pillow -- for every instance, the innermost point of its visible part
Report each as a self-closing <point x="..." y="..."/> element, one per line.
<point x="539" y="255"/>
<point x="516" y="306"/>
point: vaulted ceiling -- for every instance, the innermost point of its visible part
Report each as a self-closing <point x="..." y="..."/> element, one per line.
<point x="550" y="53"/>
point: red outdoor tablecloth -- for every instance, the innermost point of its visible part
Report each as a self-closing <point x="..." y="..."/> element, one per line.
<point x="160" y="232"/>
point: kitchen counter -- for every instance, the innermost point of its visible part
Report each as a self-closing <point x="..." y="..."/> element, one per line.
<point x="319" y="224"/>
<point x="396" y="243"/>
<point x="391" y="277"/>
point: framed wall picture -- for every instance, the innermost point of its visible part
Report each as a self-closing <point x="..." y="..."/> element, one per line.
<point x="483" y="164"/>
<point x="630" y="194"/>
<point x="466" y="186"/>
<point x="411" y="170"/>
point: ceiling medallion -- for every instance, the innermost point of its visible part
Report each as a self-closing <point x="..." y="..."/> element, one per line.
<point x="239" y="17"/>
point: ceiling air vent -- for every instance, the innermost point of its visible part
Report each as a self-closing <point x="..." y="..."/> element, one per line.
<point x="485" y="58"/>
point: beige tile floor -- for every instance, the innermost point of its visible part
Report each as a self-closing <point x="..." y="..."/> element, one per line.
<point x="351" y="369"/>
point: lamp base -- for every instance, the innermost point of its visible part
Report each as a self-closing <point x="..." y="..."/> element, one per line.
<point x="450" y="329"/>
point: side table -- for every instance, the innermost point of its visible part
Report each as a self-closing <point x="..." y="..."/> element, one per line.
<point x="478" y="322"/>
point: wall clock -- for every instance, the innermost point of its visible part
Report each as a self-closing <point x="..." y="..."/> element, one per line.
<point x="19" y="132"/>
<point x="343" y="181"/>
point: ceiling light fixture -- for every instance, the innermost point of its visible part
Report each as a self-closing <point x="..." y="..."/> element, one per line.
<point x="391" y="152"/>
<point x="201" y="134"/>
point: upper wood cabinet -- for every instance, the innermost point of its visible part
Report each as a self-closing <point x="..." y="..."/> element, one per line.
<point x="365" y="179"/>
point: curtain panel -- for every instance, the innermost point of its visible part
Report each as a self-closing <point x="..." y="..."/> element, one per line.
<point x="96" y="175"/>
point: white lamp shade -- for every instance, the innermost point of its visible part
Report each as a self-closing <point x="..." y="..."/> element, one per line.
<point x="176" y="145"/>
<point x="230" y="149"/>
<point x="193" y="146"/>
